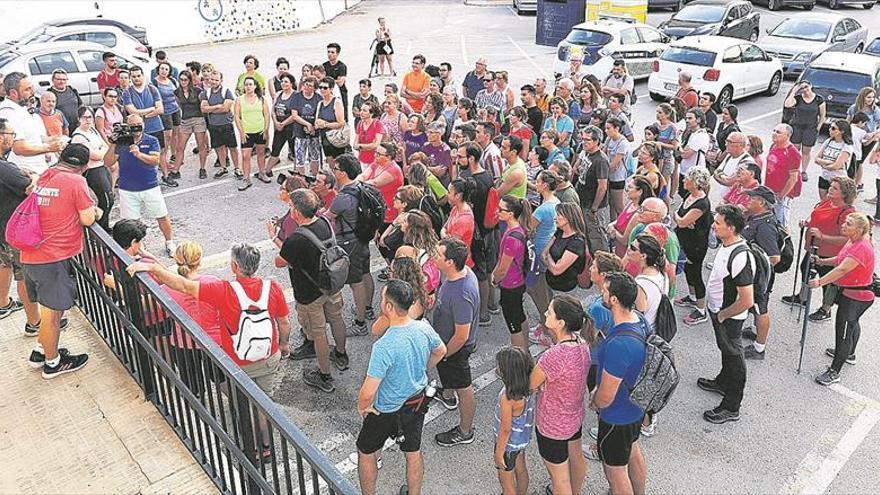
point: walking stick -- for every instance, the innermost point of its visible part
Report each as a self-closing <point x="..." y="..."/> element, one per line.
<point x="374" y="64"/>
<point x="798" y="264"/>
<point x="811" y="274"/>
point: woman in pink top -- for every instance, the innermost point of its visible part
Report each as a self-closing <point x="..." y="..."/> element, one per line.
<point x="853" y="273"/>
<point x="509" y="273"/>
<point x="637" y="190"/>
<point x="368" y="133"/>
<point x="461" y="218"/>
<point x="561" y="376"/>
<point x="386" y="176"/>
<point x="109" y="113"/>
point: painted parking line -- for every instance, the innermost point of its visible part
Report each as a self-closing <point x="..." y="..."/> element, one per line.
<point x="528" y="57"/>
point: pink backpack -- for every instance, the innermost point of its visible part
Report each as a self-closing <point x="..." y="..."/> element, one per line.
<point x="24" y="232"/>
<point x="431" y="271"/>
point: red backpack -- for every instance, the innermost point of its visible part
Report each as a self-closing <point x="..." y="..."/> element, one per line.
<point x="24" y="232"/>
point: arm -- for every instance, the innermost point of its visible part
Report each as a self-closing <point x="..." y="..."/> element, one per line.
<point x="150" y="160"/>
<point x="834" y="275"/>
<point x="110" y="158"/>
<point x="437" y="354"/>
<point x="558" y="267"/>
<point x="501" y="268"/>
<point x="459" y="338"/>
<point x="367" y="395"/>
<point x="515" y="179"/>
<point x="381" y="180"/>
<point x="164" y="276"/>
<point x="842" y="161"/>
<point x="724" y="180"/>
<point x="537" y="378"/>
<point x="89" y="216"/>
<point x="641" y="300"/>
<point x="23" y="148"/>
<point x="283" y="335"/>
<point x="689" y="218"/>
<point x="616" y="161"/>
<point x="266" y="119"/>
<point x="505" y="422"/>
<point x="789" y="184"/>
<point x="821" y="115"/>
<point x="744" y="300"/>
<point x="604" y="396"/>
<point x="236" y="116"/>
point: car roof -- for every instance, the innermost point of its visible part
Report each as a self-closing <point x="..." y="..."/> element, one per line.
<point x="814" y="16"/>
<point x="56" y="45"/>
<point x="717" y="2"/>
<point x="708" y="42"/>
<point x="850" y="62"/>
<point x="609" y="26"/>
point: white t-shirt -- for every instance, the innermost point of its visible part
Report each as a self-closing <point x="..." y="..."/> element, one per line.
<point x="858" y="134"/>
<point x="831" y="149"/>
<point x="742" y="267"/>
<point x="93" y="140"/>
<point x="728" y="168"/>
<point x="652" y="285"/>
<point x="28" y="128"/>
<point x="618" y="147"/>
<point x="699" y="141"/>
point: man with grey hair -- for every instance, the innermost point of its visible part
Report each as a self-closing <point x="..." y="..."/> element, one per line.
<point x="686" y="92"/>
<point x="565" y="90"/>
<point x="564" y="191"/>
<point x="29" y="151"/>
<point x="783" y="177"/>
<point x="725" y="174"/>
<point x="592" y="187"/>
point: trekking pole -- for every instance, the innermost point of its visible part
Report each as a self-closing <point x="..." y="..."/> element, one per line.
<point x="798" y="264"/>
<point x="811" y="274"/>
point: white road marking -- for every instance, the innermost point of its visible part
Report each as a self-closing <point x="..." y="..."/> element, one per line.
<point x="528" y="57"/>
<point x="464" y="55"/>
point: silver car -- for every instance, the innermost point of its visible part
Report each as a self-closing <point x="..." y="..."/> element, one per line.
<point x="802" y="37"/>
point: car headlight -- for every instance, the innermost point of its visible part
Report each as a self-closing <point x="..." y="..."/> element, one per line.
<point x="803" y="57"/>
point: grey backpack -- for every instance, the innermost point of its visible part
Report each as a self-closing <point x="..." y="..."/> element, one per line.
<point x="659" y="377"/>
<point x="333" y="263"/>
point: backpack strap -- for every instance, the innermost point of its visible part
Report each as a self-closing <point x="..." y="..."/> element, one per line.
<point x="321" y="245"/>
<point x="243" y="299"/>
<point x="736" y="251"/>
<point x="263" y="302"/>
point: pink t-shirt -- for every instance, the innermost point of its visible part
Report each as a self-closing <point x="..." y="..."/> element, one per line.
<point x="862" y="252"/>
<point x="205" y="314"/>
<point x="390" y="189"/>
<point x="620" y="225"/>
<point x="367" y="135"/>
<point x="561" y="401"/>
<point x="780" y="162"/>
<point x="515" y="248"/>
<point x="461" y="224"/>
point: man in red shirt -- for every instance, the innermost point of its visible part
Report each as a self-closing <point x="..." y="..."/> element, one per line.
<point x="686" y="92"/>
<point x="783" y="162"/>
<point x="325" y="188"/>
<point x="65" y="206"/>
<point x="109" y="75"/>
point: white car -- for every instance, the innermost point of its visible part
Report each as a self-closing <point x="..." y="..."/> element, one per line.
<point x="729" y="68"/>
<point x="601" y="42"/>
<point x="110" y="36"/>
<point x="81" y="60"/>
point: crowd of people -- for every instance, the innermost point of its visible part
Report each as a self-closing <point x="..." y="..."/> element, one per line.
<point x="475" y="196"/>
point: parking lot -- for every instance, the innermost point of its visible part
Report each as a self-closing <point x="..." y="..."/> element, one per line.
<point x="794" y="436"/>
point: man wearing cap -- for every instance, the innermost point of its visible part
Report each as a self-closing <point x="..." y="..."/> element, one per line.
<point x="473" y="80"/>
<point x="65" y="206"/>
<point x="761" y="229"/>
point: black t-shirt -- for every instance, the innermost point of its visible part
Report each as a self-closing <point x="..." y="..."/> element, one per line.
<point x="806" y="114"/>
<point x="338" y="70"/>
<point x="536" y="119"/>
<point x="761" y="230"/>
<point x="13" y="184"/>
<point x="307" y="108"/>
<point x="723" y="132"/>
<point x="575" y="243"/>
<point x="480" y="196"/>
<point x="695" y="238"/>
<point x="594" y="166"/>
<point x="711" y="121"/>
<point x="283" y="107"/>
<point x="303" y="256"/>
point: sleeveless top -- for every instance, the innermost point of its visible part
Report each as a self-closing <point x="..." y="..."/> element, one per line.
<point x="169" y="99"/>
<point x="520" y="428"/>
<point x="327" y="112"/>
<point x="520" y="190"/>
<point x="252" y="115"/>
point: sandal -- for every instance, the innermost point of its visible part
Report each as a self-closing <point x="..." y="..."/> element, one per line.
<point x="266" y="454"/>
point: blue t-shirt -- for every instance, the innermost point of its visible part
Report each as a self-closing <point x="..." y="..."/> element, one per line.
<point x="169" y="99"/>
<point x="622" y="357"/>
<point x="400" y="360"/>
<point x="218" y="98"/>
<point x="545" y="215"/>
<point x="155" y="72"/>
<point x="564" y="124"/>
<point x="142" y="101"/>
<point x="135" y="175"/>
<point x="458" y="304"/>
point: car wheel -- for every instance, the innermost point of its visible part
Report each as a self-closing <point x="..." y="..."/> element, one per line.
<point x="773" y="4"/>
<point x="834" y="4"/>
<point x="754" y="36"/>
<point x="724" y="98"/>
<point x="775" y="82"/>
<point x="657" y="97"/>
<point x="809" y="6"/>
<point x="868" y="6"/>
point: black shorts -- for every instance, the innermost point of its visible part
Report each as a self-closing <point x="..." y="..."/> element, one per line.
<point x="222" y="135"/>
<point x="616" y="185"/>
<point x="170" y="120"/>
<point x="512" y="308"/>
<point x="160" y="136"/>
<point x="455" y="371"/>
<point x="358" y="259"/>
<point x="253" y="139"/>
<point x="805" y="135"/>
<point x="615" y="442"/>
<point x="281" y="138"/>
<point x="762" y="300"/>
<point x="484" y="252"/>
<point x="510" y="457"/>
<point x="554" y="451"/>
<point x="375" y="429"/>
<point x="824" y="183"/>
<point x="51" y="284"/>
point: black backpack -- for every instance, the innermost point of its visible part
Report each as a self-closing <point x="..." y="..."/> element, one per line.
<point x="762" y="265"/>
<point x="429" y="206"/>
<point x="528" y="251"/>
<point x="786" y="246"/>
<point x="333" y="263"/>
<point x="665" y="323"/>
<point x="370" y="211"/>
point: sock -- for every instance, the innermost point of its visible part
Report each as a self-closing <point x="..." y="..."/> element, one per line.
<point x="759" y="347"/>
<point x="39" y="348"/>
<point x="54" y="362"/>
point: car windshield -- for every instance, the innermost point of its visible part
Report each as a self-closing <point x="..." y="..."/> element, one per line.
<point x="701" y="13"/>
<point x="874" y="47"/>
<point x="588" y="37"/>
<point x="7" y="57"/>
<point x="837" y="81"/>
<point x="690" y="56"/>
<point x="37" y="35"/>
<point x="802" y="30"/>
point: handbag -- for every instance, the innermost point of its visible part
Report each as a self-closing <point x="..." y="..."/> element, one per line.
<point x="338" y="138"/>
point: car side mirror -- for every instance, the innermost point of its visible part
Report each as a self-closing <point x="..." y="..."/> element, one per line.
<point x="665" y="39"/>
<point x="838" y="39"/>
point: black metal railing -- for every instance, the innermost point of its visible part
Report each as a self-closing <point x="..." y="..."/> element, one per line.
<point x="212" y="405"/>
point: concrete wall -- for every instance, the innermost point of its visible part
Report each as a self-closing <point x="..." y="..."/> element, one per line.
<point x="181" y="22"/>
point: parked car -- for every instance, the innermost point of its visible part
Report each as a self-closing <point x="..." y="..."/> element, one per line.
<point x="730" y="68"/>
<point x="601" y="42"/>
<point x="523" y="6"/>
<point x="802" y="37"/>
<point x="675" y="5"/>
<point x="110" y="36"/>
<point x="81" y="60"/>
<point x="135" y="32"/>
<point x="836" y="4"/>
<point x="838" y="78"/>
<point x="873" y="47"/>
<point x="731" y="18"/>
<point x="781" y="4"/>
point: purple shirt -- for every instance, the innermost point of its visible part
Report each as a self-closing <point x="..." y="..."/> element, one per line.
<point x="413" y="143"/>
<point x="515" y="248"/>
<point x="561" y="401"/>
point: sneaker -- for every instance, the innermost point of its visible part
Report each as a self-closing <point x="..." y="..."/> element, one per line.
<point x="751" y="353"/>
<point x="710" y="386"/>
<point x="696" y="317"/>
<point x="805" y="177"/>
<point x="339" y="360"/>
<point x="68" y="364"/>
<point x="270" y="174"/>
<point x="383" y="275"/>
<point x="369" y="313"/>
<point x="591" y="451"/>
<point x="263" y="178"/>
<point x="485" y="321"/>
<point x="494" y="310"/>
<point x="820" y="315"/>
<point x="649" y="430"/>
<point x="539" y="337"/>
<point x="450" y="403"/>
<point x="305" y="351"/>
<point x="850" y="360"/>
<point x="793" y="301"/>
<point x="749" y="334"/>
<point x="828" y="377"/>
<point x="203" y="174"/>
<point x="237" y="173"/>
<point x="357" y="329"/>
<point x="245" y="184"/>
<point x="169" y="182"/>
<point x="685" y="302"/>
<point x="221" y="173"/>
<point x="10" y="308"/>
<point x="594" y="433"/>
<point x="454" y="437"/>
<point x="37" y="358"/>
<point x="314" y="378"/>
<point x="33" y="330"/>
<point x="720" y="416"/>
<point x="174" y="175"/>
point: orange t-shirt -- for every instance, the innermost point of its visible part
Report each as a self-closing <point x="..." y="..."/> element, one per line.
<point x="414" y="81"/>
<point x="54" y="123"/>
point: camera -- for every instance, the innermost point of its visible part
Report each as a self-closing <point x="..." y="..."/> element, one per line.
<point x="123" y="134"/>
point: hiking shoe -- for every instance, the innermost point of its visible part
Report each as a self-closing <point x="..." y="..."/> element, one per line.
<point x="751" y="353"/>
<point x="263" y="178"/>
<point x="710" y="386"/>
<point x="454" y="437"/>
<point x="591" y="451"/>
<point x="339" y="360"/>
<point x="245" y="184"/>
<point x="485" y="321"/>
<point x="594" y="433"/>
<point x="720" y="416"/>
<point x="820" y="315"/>
<point x="67" y="364"/>
<point x="237" y="173"/>
<point x="850" y="360"/>
<point x="203" y="174"/>
<point x="649" y="430"/>
<point x="805" y="177"/>
<point x="495" y="310"/>
<point x="696" y="317"/>
<point x="450" y="403"/>
<point x="685" y="302"/>
<point x="305" y="351"/>
<point x="357" y="329"/>
<point x="537" y="336"/>
<point x="174" y="174"/>
<point x="793" y="301"/>
<point x="10" y="308"/>
<point x="37" y="358"/>
<point x="221" y="173"/>
<point x="320" y="381"/>
<point x="167" y="181"/>
<point x="828" y="377"/>
<point x="749" y="334"/>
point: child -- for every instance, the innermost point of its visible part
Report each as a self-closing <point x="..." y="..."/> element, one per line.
<point x="514" y="419"/>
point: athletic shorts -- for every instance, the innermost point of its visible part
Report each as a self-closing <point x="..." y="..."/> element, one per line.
<point x="222" y="135"/>
<point x="281" y="138"/>
<point x="150" y="202"/>
<point x="455" y="371"/>
<point x="253" y="139"/>
<point x="51" y="284"/>
<point x="11" y="258"/>
<point x="193" y="124"/>
<point x="554" y="451"/>
<point x="804" y="135"/>
<point x="512" y="308"/>
<point x="263" y="372"/>
<point x="376" y="428"/>
<point x="615" y="442"/>
<point x="616" y="185"/>
<point x="510" y="459"/>
<point x="160" y="136"/>
<point x="358" y="259"/>
<point x="170" y="120"/>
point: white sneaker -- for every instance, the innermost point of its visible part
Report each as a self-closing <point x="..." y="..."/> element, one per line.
<point x="651" y="429"/>
<point x="594" y="433"/>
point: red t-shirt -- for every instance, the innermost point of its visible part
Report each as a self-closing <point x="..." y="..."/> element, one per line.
<point x="390" y="189"/>
<point x="367" y="135"/>
<point x="205" y="314"/>
<point x="780" y="162"/>
<point x="689" y="97"/>
<point x="328" y="198"/>
<point x="62" y="195"/>
<point x="460" y="224"/>
<point x="828" y="219"/>
<point x="108" y="80"/>
<point x="219" y="293"/>
<point x="54" y="123"/>
<point x="862" y="252"/>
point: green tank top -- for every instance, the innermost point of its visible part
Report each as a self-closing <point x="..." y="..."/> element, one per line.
<point x="520" y="190"/>
<point x="252" y="115"/>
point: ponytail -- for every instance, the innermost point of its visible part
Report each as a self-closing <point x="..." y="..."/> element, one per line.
<point x="655" y="256"/>
<point x="520" y="208"/>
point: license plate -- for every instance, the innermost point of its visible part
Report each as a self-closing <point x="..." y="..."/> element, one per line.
<point x="670" y="86"/>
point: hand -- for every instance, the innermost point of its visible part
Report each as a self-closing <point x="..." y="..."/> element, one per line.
<point x="284" y="347"/>
<point x="721" y="318"/>
<point x="815" y="233"/>
<point x="133" y="149"/>
<point x="310" y="128"/>
<point x="499" y="461"/>
<point x="139" y="266"/>
<point x="814" y="284"/>
<point x="99" y="213"/>
<point x="369" y="410"/>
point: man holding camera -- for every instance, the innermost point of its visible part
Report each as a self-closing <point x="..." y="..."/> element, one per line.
<point x="138" y="157"/>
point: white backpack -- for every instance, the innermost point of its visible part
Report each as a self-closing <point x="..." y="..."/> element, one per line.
<point x="253" y="341"/>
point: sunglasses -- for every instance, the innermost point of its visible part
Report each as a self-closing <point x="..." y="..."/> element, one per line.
<point x="642" y="209"/>
<point x="323" y="86"/>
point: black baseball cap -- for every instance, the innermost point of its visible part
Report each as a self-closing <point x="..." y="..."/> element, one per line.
<point x="75" y="154"/>
<point x="764" y="193"/>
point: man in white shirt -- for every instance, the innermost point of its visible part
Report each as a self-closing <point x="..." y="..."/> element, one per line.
<point x="725" y="174"/>
<point x="696" y="145"/>
<point x="31" y="149"/>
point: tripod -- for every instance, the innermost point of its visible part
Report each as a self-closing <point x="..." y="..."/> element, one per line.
<point x="374" y="65"/>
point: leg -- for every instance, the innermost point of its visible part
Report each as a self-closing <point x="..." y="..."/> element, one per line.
<point x="637" y="469"/>
<point x="221" y="156"/>
<point x="180" y="148"/>
<point x="415" y="470"/>
<point x="202" y="144"/>
<point x="762" y="324"/>
<point x="50" y="321"/>
<point x="31" y="309"/>
<point x="163" y="153"/>
<point x="805" y="157"/>
<point x="577" y="466"/>
<point x="359" y="292"/>
<point x="234" y="155"/>
<point x="560" y="480"/>
<point x="369" y="289"/>
<point x="616" y="204"/>
<point x="5" y="285"/>
<point x="261" y="158"/>
<point x="165" y="227"/>
<point x="484" y="285"/>
<point x="507" y="480"/>
<point x="246" y="163"/>
<point x="368" y="472"/>
<point x="521" y="474"/>
<point x="467" y="408"/>
<point x="333" y="312"/>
